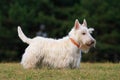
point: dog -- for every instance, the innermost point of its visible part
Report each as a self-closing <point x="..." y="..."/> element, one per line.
<point x="57" y="53"/>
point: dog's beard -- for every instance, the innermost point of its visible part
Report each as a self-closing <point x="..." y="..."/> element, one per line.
<point x="85" y="48"/>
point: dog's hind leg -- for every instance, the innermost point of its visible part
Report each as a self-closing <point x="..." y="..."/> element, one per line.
<point x="29" y="58"/>
<point x="28" y="61"/>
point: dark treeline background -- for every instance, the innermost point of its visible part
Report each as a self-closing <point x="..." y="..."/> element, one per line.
<point x="58" y="17"/>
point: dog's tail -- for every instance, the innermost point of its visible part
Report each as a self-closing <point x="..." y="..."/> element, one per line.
<point x="22" y="36"/>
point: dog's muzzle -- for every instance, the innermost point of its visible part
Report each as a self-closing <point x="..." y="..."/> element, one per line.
<point x="91" y="43"/>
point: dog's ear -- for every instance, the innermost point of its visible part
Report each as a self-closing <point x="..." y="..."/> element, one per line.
<point x="77" y="24"/>
<point x="91" y="30"/>
<point x="84" y="23"/>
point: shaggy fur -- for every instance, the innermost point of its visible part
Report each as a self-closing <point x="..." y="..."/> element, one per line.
<point x="60" y="53"/>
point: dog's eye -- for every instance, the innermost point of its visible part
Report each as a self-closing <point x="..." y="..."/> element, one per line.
<point x="83" y="33"/>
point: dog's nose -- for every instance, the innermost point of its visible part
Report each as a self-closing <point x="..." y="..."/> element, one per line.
<point x="92" y="42"/>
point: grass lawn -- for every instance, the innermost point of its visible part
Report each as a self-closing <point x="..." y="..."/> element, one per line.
<point x="88" y="71"/>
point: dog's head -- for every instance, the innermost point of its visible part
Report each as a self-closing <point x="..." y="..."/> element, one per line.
<point x="82" y="35"/>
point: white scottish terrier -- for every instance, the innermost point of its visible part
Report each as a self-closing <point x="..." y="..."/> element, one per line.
<point x="60" y="53"/>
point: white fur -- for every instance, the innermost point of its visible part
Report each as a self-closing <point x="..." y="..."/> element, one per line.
<point x="60" y="53"/>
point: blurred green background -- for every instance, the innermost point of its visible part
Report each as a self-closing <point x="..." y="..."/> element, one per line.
<point x="55" y="18"/>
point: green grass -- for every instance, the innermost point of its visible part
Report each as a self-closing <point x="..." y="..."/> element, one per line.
<point x="88" y="71"/>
